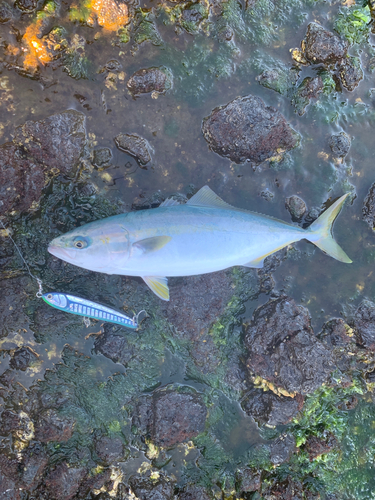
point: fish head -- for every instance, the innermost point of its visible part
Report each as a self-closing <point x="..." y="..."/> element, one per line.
<point x="99" y="246"/>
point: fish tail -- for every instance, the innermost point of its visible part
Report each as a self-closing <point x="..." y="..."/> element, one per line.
<point x="322" y="232"/>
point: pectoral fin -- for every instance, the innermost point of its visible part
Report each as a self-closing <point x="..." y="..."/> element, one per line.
<point x="151" y="244"/>
<point x="257" y="263"/>
<point x="158" y="285"/>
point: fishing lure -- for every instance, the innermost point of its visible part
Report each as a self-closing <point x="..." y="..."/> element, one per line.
<point x="82" y="307"/>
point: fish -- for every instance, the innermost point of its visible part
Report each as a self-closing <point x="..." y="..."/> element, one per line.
<point x="88" y="308"/>
<point x="204" y="235"/>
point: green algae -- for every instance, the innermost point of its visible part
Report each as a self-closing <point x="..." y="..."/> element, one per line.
<point x="353" y="23"/>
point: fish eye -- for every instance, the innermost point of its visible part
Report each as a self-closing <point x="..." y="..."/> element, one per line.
<point x="49" y="296"/>
<point x="80" y="243"/>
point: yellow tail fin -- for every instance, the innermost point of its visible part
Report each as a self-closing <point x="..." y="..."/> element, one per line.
<point x="322" y="231"/>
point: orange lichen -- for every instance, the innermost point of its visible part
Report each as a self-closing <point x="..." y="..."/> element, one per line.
<point x="35" y="49"/>
<point x="110" y="15"/>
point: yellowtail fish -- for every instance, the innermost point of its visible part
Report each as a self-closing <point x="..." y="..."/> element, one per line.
<point x="88" y="308"/>
<point x="202" y="236"/>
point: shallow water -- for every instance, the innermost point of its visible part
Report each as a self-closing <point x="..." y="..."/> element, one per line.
<point x="181" y="159"/>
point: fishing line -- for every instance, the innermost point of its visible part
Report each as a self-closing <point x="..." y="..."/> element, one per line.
<point x="77" y="305"/>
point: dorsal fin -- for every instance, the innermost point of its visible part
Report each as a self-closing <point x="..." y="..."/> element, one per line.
<point x="207" y="198"/>
<point x="169" y="202"/>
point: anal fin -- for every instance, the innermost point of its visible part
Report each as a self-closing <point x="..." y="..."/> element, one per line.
<point x="159" y="285"/>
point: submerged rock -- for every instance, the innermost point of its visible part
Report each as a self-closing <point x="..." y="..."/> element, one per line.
<point x="296" y="207"/>
<point x="309" y="89"/>
<point x="102" y="158"/>
<point x="340" y="144"/>
<point x="55" y="142"/>
<point x="26" y="5"/>
<point x="170" y="417"/>
<point x="364" y="322"/>
<point x="351" y="73"/>
<point x="368" y="209"/>
<point x="114" y="347"/>
<point x="247" y="129"/>
<point x="145" y="81"/>
<point x="283" y="350"/>
<point x="271" y="409"/>
<point x="282" y="448"/>
<point x="136" y="146"/>
<point x="39" y="150"/>
<point x="33" y="466"/>
<point x="21" y="358"/>
<point x="322" y="46"/>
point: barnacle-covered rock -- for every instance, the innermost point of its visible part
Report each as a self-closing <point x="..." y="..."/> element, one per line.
<point x="283" y="350"/>
<point x="247" y="129"/>
<point x="150" y="80"/>
<point x="296" y="207"/>
<point x="322" y="46"/>
<point x="340" y="144"/>
<point x="136" y="146"/>
<point x="351" y="73"/>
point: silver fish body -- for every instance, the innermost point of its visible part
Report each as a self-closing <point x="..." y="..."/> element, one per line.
<point x="204" y="235"/>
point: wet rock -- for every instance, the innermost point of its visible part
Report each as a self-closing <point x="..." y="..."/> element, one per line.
<point x="364" y="322"/>
<point x="146" y="488"/>
<point x="197" y="303"/>
<point x="191" y="17"/>
<point x="96" y="482"/>
<point x="22" y="358"/>
<point x="6" y="13"/>
<point x="267" y="195"/>
<point x="55" y="142"/>
<point x="280" y="80"/>
<point x="335" y="333"/>
<point x="351" y="73"/>
<point x="287" y="490"/>
<point x="317" y="447"/>
<point x="21" y="179"/>
<point x="296" y="207"/>
<point x="63" y="482"/>
<point x="368" y="209"/>
<point x="12" y="301"/>
<point x="39" y="149"/>
<point x="282" y="449"/>
<point x="340" y="144"/>
<point x="9" y="422"/>
<point x="194" y="493"/>
<point x="102" y="158"/>
<point x="248" y="480"/>
<point x="283" y="349"/>
<point x="248" y="130"/>
<point x="53" y="427"/>
<point x="9" y="477"/>
<point x="33" y="465"/>
<point x="114" y="347"/>
<point x="147" y="80"/>
<point x="170" y="417"/>
<point x="322" y="46"/>
<point x="109" y="450"/>
<point x="309" y="89"/>
<point x="26" y="5"/>
<point x="136" y="146"/>
<point x="271" y="409"/>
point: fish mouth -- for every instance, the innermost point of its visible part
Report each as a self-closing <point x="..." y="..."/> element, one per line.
<point x="62" y="253"/>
